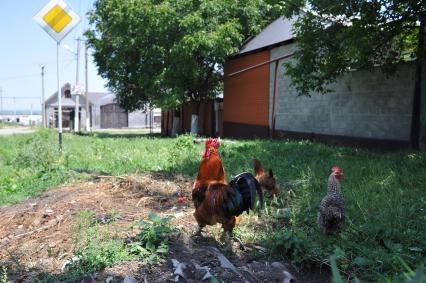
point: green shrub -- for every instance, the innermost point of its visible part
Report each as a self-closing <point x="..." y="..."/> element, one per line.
<point x="39" y="152"/>
<point x="151" y="243"/>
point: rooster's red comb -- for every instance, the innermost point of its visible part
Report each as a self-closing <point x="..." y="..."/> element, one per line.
<point x="337" y="170"/>
<point x="210" y="142"/>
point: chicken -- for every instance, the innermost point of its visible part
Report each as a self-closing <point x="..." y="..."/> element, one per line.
<point x="215" y="200"/>
<point x="266" y="180"/>
<point x="333" y="208"/>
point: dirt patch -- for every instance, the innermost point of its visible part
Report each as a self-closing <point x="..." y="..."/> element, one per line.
<point x="31" y="230"/>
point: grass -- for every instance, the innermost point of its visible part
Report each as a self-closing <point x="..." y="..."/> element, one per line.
<point x="98" y="246"/>
<point x="385" y="192"/>
<point x="4" y="125"/>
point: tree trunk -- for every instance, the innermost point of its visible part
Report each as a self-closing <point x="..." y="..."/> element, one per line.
<point x="163" y="123"/>
<point x="194" y="118"/>
<point x="215" y="118"/>
<point x="176" y="122"/>
<point x="415" y="120"/>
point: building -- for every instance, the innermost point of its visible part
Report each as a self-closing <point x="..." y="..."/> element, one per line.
<point x="104" y="112"/>
<point x="364" y="108"/>
<point x="209" y="122"/>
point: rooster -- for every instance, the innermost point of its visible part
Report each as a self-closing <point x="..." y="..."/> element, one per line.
<point x="333" y="208"/>
<point x="266" y="180"/>
<point x="215" y="200"/>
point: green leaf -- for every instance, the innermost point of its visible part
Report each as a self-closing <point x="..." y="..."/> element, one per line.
<point x="163" y="250"/>
<point x="361" y="261"/>
<point x="337" y="278"/>
<point x="419" y="277"/>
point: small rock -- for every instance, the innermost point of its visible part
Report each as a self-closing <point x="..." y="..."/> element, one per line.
<point x="109" y="279"/>
<point x="179" y="267"/>
<point x="278" y="265"/>
<point x="287" y="277"/>
<point x="65" y="264"/>
<point x="129" y="280"/>
<point x="204" y="270"/>
<point x="20" y="226"/>
<point x="48" y="211"/>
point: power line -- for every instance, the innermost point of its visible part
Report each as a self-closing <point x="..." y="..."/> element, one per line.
<point x="67" y="64"/>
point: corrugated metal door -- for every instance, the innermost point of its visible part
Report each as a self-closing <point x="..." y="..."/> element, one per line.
<point x="113" y="116"/>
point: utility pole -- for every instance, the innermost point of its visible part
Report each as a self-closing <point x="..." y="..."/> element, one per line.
<point x="43" y="108"/>
<point x="77" y="97"/>
<point x="14" y="106"/>
<point x="59" y="97"/>
<point x="87" y="90"/>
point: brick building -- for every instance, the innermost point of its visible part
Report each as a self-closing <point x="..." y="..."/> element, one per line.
<point x="364" y="108"/>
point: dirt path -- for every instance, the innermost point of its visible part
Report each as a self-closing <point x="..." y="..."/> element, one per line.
<point x="30" y="231"/>
<point x="15" y="131"/>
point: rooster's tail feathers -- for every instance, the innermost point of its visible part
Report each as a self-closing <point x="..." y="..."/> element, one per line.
<point x="247" y="186"/>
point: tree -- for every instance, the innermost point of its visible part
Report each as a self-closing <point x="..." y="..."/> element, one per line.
<point x="337" y="36"/>
<point x="167" y="52"/>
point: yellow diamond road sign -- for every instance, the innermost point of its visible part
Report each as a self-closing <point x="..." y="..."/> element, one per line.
<point x="57" y="19"/>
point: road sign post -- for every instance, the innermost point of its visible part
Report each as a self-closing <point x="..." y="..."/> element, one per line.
<point x="57" y="19"/>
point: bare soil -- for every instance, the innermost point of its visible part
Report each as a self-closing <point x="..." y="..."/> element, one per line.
<point x="37" y="235"/>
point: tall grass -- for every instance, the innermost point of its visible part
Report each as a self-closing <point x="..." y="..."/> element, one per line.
<point x="385" y="192"/>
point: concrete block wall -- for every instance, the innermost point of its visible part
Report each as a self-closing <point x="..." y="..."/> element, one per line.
<point x="362" y="104"/>
<point x="139" y="119"/>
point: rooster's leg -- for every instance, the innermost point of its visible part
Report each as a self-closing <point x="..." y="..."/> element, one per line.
<point x="228" y="240"/>
<point x="228" y="226"/>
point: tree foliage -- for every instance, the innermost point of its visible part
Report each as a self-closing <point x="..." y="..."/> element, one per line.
<point x="165" y="52"/>
<point x="336" y="36"/>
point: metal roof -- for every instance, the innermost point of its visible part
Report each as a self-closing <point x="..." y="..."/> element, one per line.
<point x="278" y="31"/>
<point x="95" y="98"/>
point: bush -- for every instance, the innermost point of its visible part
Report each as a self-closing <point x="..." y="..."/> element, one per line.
<point x="151" y="243"/>
<point x="39" y="152"/>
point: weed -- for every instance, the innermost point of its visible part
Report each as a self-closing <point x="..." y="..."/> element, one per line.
<point x="151" y="243"/>
<point x="97" y="247"/>
<point x="37" y="152"/>
<point x="28" y="165"/>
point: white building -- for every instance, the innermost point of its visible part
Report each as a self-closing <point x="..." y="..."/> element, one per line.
<point x="104" y="112"/>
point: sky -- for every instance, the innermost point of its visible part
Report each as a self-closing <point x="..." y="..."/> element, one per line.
<point x="25" y="46"/>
